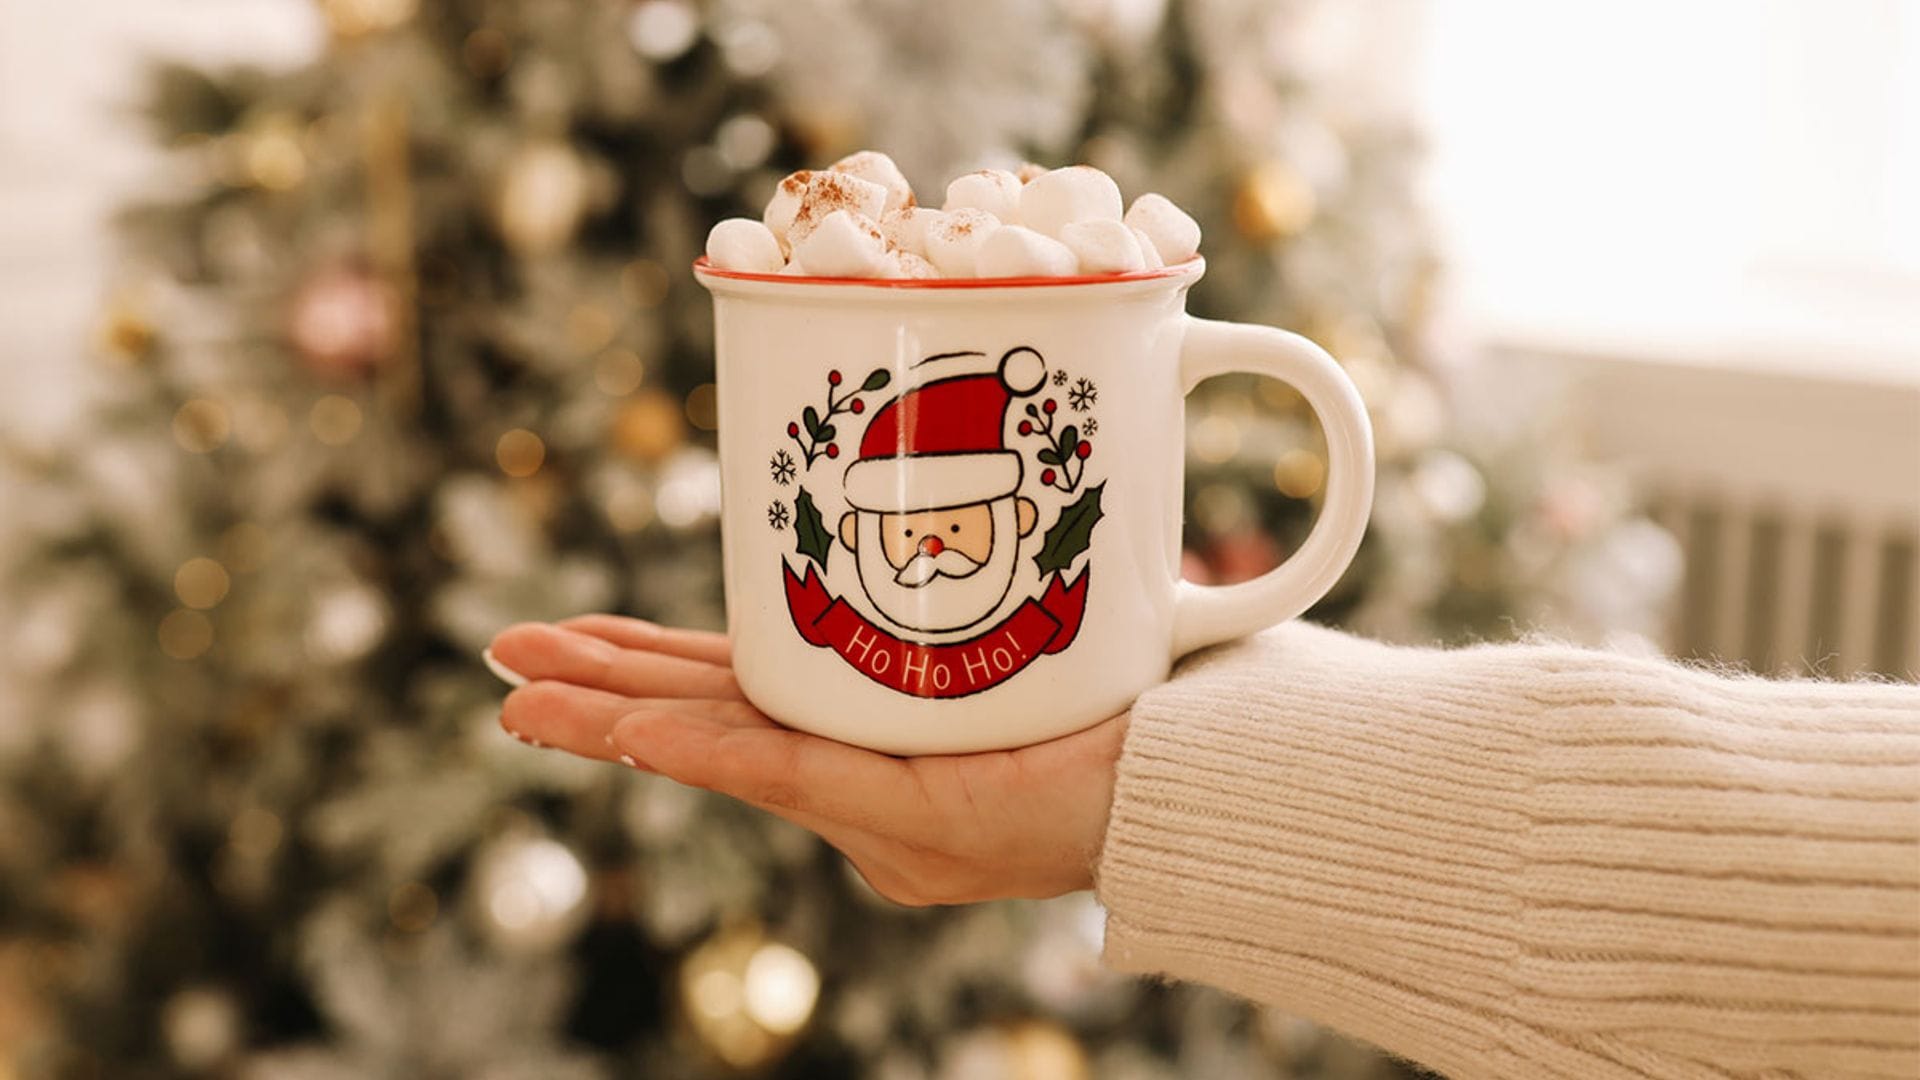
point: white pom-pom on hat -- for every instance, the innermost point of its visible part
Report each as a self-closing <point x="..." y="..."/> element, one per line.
<point x="1022" y="370"/>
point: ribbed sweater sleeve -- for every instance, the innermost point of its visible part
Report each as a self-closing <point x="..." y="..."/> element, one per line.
<point x="1530" y="861"/>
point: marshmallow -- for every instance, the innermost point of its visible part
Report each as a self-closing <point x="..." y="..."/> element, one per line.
<point x="793" y="269"/>
<point x="905" y="264"/>
<point x="1017" y="251"/>
<point x="1104" y="247"/>
<point x="1149" y="254"/>
<point x="785" y="204"/>
<point x="844" y="244"/>
<point x="1050" y="202"/>
<point x="993" y="190"/>
<point x="828" y="192"/>
<point x="876" y="167"/>
<point x="906" y="228"/>
<point x="744" y="244"/>
<point x="954" y="239"/>
<point x="1175" y="235"/>
<point x="1028" y="171"/>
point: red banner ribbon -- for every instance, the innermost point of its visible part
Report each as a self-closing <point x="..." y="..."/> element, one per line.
<point x="1038" y="627"/>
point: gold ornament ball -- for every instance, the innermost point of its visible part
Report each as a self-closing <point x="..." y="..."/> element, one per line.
<point x="541" y="198"/>
<point x="649" y="427"/>
<point x="747" y="997"/>
<point x="1272" y="202"/>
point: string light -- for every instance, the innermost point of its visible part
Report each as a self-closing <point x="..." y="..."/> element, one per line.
<point x="335" y="420"/>
<point x="589" y="328"/>
<point x="644" y="283"/>
<point x="649" y="426"/>
<point x="520" y="453"/>
<point x="185" y="634"/>
<point x="618" y="372"/>
<point x="272" y="155"/>
<point x="662" y="30"/>
<point x="1299" y="473"/>
<point x="1214" y="440"/>
<point x="200" y="583"/>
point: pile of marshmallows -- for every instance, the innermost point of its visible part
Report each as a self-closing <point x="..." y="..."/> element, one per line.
<point x="858" y="219"/>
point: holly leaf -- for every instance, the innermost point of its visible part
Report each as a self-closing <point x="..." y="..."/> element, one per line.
<point x="877" y="379"/>
<point x="811" y="537"/>
<point x="812" y="417"/>
<point x="1071" y="533"/>
<point x="1070" y="439"/>
<point x="1048" y="457"/>
<point x="827" y="431"/>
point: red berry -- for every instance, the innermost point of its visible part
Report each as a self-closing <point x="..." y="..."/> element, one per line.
<point x="858" y="406"/>
<point x="1046" y="476"/>
<point x="1026" y="428"/>
<point x="793" y="429"/>
<point x="833" y="449"/>
<point x="833" y="378"/>
<point x="1049" y="405"/>
<point x="1084" y="448"/>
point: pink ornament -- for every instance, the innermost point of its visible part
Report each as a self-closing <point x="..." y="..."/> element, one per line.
<point x="342" y="321"/>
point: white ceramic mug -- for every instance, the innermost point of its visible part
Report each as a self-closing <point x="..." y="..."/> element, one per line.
<point x="951" y="508"/>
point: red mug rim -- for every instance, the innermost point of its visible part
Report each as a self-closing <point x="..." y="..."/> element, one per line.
<point x="702" y="266"/>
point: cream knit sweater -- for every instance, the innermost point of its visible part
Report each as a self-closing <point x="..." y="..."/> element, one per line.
<point x="1530" y="861"/>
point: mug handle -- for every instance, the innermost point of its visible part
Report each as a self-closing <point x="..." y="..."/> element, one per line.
<point x="1205" y="615"/>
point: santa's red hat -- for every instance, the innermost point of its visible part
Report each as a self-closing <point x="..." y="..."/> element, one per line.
<point x="941" y="443"/>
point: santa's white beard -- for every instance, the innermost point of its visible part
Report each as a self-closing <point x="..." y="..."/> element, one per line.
<point x="941" y="602"/>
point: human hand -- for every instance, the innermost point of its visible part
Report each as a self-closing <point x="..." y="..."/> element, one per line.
<point x="944" y="829"/>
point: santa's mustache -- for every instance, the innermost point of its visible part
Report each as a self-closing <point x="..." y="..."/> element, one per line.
<point x="923" y="568"/>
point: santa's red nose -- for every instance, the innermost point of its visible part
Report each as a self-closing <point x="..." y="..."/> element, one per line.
<point x="932" y="545"/>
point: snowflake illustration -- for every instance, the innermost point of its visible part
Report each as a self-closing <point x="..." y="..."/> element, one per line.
<point x="777" y="515"/>
<point x="1083" y="395"/>
<point x="1060" y="377"/>
<point x="1089" y="426"/>
<point x="782" y="466"/>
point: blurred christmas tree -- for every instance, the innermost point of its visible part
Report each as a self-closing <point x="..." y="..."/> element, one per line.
<point x="413" y="354"/>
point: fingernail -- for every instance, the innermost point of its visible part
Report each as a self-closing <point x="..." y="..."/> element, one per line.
<point x="503" y="672"/>
<point x="585" y="644"/>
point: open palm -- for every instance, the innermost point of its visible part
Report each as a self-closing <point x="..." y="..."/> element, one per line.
<point x="941" y="829"/>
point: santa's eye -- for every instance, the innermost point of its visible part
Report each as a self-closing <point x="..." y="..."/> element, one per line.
<point x="909" y="532"/>
<point x="953" y="528"/>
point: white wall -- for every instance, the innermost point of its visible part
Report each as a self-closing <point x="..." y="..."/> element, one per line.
<point x="1730" y="179"/>
<point x="69" y="151"/>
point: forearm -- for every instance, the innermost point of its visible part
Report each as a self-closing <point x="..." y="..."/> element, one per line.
<point x="1523" y="861"/>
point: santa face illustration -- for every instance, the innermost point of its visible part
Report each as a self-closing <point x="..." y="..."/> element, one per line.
<point x="937" y="517"/>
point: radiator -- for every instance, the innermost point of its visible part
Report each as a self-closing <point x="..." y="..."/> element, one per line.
<point x="1794" y="493"/>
